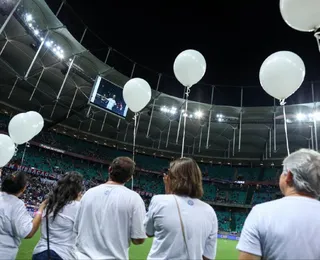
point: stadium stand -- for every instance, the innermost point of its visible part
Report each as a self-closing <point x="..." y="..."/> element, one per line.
<point x="220" y="182"/>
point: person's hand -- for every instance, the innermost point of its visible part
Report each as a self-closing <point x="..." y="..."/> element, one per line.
<point x="43" y="205"/>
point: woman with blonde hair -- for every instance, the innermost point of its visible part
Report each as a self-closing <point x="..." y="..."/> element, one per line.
<point x="183" y="226"/>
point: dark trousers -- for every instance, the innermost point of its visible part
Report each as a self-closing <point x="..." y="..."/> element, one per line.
<point x="44" y="256"/>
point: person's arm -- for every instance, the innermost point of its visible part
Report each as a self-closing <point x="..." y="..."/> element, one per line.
<point x="249" y="243"/>
<point x="137" y="233"/>
<point x="210" y="248"/>
<point x="22" y="223"/>
<point x="148" y="221"/>
<point x="247" y="256"/>
<point x="37" y="220"/>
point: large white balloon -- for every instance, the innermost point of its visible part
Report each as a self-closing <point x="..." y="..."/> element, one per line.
<point x="189" y="67"/>
<point x="302" y="15"/>
<point x="20" y="129"/>
<point x="36" y="121"/>
<point x="137" y="94"/>
<point x="281" y="74"/>
<point x="7" y="149"/>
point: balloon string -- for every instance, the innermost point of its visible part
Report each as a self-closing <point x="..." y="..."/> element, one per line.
<point x="285" y="125"/>
<point x="185" y="115"/>
<point x="24" y="152"/>
<point x="134" y="143"/>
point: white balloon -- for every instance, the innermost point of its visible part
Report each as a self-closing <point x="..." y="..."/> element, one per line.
<point x="36" y="121"/>
<point x="301" y="15"/>
<point x="20" y="129"/>
<point x="281" y="74"/>
<point x="7" y="149"/>
<point x="137" y="94"/>
<point x="189" y="67"/>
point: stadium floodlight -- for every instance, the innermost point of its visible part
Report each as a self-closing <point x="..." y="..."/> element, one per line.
<point x="316" y="116"/>
<point x="301" y="117"/>
<point x="220" y="116"/>
<point x="198" y="114"/>
<point x="36" y="32"/>
<point x="172" y="110"/>
<point x="28" y="17"/>
<point x="49" y="43"/>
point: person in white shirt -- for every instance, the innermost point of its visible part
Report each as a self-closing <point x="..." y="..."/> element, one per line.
<point x="111" y="102"/>
<point x="110" y="216"/>
<point x="63" y="204"/>
<point x="287" y="228"/>
<point x="15" y="221"/>
<point x="183" y="226"/>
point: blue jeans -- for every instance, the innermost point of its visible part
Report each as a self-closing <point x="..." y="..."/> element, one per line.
<point x="44" y="256"/>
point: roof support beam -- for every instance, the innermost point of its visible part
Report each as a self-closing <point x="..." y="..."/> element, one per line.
<point x="240" y="120"/>
<point x="9" y="17"/>
<point x="210" y="115"/>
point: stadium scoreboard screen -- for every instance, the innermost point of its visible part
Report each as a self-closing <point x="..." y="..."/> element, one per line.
<point x="108" y="96"/>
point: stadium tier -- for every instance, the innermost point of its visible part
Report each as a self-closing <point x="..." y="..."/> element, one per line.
<point x="224" y="186"/>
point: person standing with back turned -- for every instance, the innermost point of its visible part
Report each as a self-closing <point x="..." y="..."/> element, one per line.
<point x="183" y="226"/>
<point x="110" y="216"/>
<point x="287" y="228"/>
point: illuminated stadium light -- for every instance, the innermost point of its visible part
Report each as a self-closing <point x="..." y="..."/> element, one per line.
<point x="49" y="43"/>
<point x="220" y="117"/>
<point x="308" y="118"/>
<point x="28" y="17"/>
<point x="171" y="110"/>
<point x="300" y="116"/>
<point x="316" y="116"/>
<point x="198" y="114"/>
<point x="56" y="49"/>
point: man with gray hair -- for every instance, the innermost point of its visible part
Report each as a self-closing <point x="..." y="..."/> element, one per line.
<point x="287" y="228"/>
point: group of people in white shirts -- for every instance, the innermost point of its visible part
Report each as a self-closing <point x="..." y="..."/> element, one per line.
<point x="108" y="218"/>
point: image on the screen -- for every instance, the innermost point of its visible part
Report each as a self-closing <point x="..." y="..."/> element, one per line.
<point x="108" y="96"/>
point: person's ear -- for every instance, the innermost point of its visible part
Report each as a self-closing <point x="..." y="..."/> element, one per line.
<point x="289" y="178"/>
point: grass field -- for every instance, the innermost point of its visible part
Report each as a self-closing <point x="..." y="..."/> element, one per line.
<point x="226" y="249"/>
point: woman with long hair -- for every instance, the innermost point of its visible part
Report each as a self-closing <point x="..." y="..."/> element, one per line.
<point x="183" y="226"/>
<point x="57" y="238"/>
<point x="15" y="221"/>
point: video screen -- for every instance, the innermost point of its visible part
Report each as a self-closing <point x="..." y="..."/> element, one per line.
<point x="108" y="96"/>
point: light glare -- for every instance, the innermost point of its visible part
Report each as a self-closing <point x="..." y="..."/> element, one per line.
<point x="28" y="17"/>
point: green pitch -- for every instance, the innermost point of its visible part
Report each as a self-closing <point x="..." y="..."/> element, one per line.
<point x="226" y="249"/>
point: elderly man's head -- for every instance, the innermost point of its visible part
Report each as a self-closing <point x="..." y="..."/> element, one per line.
<point x="301" y="174"/>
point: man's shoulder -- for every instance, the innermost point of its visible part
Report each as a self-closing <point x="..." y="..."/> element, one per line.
<point x="269" y="205"/>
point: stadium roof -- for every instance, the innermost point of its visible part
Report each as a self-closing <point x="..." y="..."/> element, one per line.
<point x="70" y="114"/>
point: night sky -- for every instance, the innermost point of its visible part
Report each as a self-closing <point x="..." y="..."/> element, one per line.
<point x="234" y="36"/>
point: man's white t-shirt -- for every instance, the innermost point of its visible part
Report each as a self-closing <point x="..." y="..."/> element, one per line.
<point x="111" y="103"/>
<point x="61" y="236"/>
<point x="163" y="222"/>
<point x="15" y="224"/>
<point x="108" y="217"/>
<point x="286" y="228"/>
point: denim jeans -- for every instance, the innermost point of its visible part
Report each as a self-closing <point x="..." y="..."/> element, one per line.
<point x="44" y="256"/>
